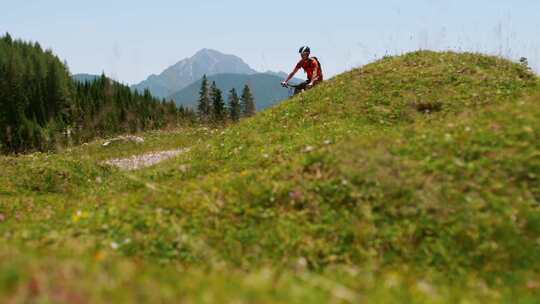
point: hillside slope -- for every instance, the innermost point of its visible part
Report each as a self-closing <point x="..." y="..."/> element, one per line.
<point x="266" y="89"/>
<point x="412" y="179"/>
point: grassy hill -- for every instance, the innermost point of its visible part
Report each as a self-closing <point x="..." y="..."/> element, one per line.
<point x="412" y="179"/>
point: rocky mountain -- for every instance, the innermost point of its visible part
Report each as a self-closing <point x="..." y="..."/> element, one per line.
<point x="185" y="72"/>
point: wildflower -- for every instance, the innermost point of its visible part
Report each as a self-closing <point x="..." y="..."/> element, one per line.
<point x="78" y="216"/>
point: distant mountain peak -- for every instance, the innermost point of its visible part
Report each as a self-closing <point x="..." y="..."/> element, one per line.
<point x="187" y="71"/>
<point x="207" y="51"/>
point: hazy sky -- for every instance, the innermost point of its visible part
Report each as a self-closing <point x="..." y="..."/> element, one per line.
<point x="130" y="40"/>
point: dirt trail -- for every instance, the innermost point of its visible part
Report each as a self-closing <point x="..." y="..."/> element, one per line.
<point x="136" y="162"/>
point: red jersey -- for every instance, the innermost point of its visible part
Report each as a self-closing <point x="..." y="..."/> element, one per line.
<point x="312" y="68"/>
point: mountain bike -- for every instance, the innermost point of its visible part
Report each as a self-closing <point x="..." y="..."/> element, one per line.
<point x="295" y="88"/>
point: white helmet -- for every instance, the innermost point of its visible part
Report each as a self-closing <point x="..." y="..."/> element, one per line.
<point x="304" y="49"/>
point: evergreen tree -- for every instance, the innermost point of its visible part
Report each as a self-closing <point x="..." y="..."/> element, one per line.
<point x="218" y="106"/>
<point x="234" y="105"/>
<point x="204" y="100"/>
<point x="56" y="89"/>
<point x="247" y="102"/>
<point x="8" y="39"/>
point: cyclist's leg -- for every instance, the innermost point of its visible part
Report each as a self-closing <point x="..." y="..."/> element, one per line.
<point x="315" y="83"/>
<point x="301" y="87"/>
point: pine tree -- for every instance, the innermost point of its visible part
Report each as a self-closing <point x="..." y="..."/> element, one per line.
<point x="247" y="102"/>
<point x="218" y="106"/>
<point x="8" y="39"/>
<point x="234" y="105"/>
<point x="15" y="103"/>
<point x="204" y="100"/>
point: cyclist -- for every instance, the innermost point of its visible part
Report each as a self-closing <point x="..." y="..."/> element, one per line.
<point x="311" y="67"/>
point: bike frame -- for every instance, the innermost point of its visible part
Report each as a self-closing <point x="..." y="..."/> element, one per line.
<point x="293" y="88"/>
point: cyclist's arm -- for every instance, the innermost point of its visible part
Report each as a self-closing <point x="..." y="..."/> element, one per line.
<point x="291" y="75"/>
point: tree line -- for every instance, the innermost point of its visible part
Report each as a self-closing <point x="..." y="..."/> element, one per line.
<point x="42" y="107"/>
<point x="212" y="108"/>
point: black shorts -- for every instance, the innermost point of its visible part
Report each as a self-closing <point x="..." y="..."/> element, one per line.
<point x="304" y="86"/>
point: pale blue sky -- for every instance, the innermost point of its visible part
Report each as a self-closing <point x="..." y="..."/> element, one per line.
<point x="131" y="39"/>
